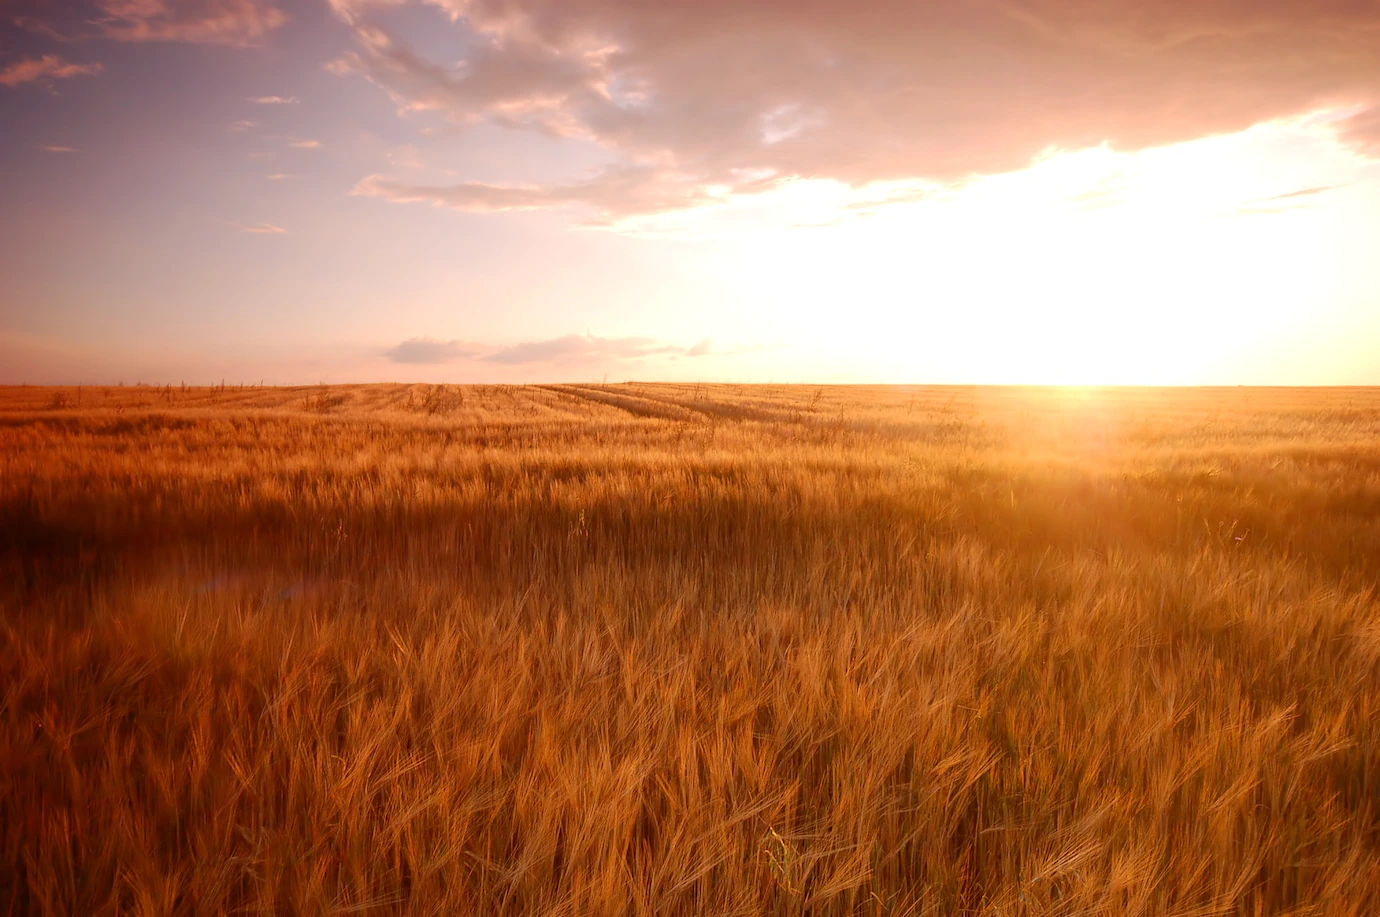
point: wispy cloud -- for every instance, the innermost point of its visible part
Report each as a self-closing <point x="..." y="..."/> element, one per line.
<point x="611" y="195"/>
<point x="1279" y="203"/>
<point x="234" y="23"/>
<point x="1302" y="193"/>
<point x="405" y="157"/>
<point x="578" y="348"/>
<point x="1106" y="191"/>
<point x="42" y="69"/>
<point x="59" y="149"/>
<point x="274" y="100"/>
<point x="305" y="144"/>
<point x="264" y="229"/>
<point x="1362" y="131"/>
<point x="244" y="124"/>
<point x="570" y="349"/>
<point x="279" y="176"/>
<point x="208" y="22"/>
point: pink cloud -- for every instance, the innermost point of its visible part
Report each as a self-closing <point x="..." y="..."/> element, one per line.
<point x="612" y="194"/>
<point x="208" y="22"/>
<point x="718" y="97"/>
<point x="237" y="23"/>
<point x="580" y="348"/>
<point x="47" y="67"/>
<point x="265" y="229"/>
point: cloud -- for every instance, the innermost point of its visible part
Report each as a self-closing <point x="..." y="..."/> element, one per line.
<point x="266" y="229"/>
<point x="571" y="349"/>
<point x="406" y="157"/>
<point x="611" y="194"/>
<point x="1106" y="191"/>
<point x="206" y="22"/>
<point x="1362" y="131"/>
<point x="242" y="125"/>
<point x="236" y="23"/>
<point x="306" y="144"/>
<point x="279" y="176"/>
<point x="274" y="100"/>
<point x="1279" y="203"/>
<point x="700" y="348"/>
<point x="578" y="348"/>
<point x="59" y="149"/>
<point x="430" y="351"/>
<point x="1301" y="193"/>
<point x="47" y="67"/>
<point x="700" y="100"/>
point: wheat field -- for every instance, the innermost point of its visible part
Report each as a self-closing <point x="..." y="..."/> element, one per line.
<point x="674" y="650"/>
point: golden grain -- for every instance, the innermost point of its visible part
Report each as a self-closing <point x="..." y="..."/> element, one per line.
<point x="658" y="649"/>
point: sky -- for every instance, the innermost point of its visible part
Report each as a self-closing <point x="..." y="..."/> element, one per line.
<point x="959" y="191"/>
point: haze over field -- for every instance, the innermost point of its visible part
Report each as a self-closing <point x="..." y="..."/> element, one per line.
<point x="532" y="190"/>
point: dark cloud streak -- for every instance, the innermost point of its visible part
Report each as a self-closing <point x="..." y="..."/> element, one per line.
<point x="428" y="351"/>
<point x="234" y="23"/>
